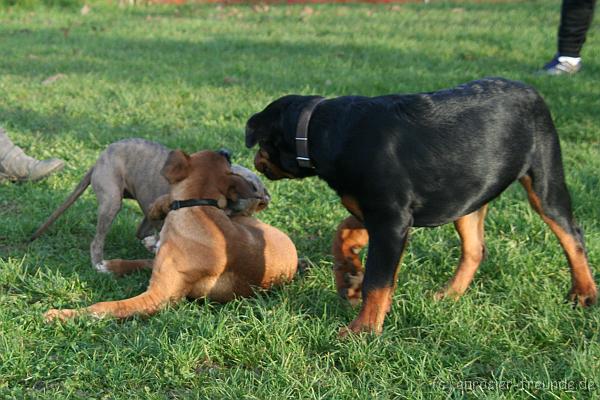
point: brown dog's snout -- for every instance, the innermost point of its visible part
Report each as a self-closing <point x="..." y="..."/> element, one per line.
<point x="266" y="196"/>
<point x="262" y="204"/>
<point x="263" y="196"/>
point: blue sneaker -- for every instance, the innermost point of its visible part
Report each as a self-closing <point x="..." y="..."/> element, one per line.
<point x="561" y="66"/>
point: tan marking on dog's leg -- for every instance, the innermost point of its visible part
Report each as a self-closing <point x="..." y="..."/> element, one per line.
<point x="375" y="307"/>
<point x="376" y="304"/>
<point x="583" y="289"/>
<point x="350" y="238"/>
<point x="352" y="206"/>
<point x="470" y="228"/>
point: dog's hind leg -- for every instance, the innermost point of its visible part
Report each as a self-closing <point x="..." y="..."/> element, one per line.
<point x="109" y="204"/>
<point x="351" y="236"/>
<point x="550" y="198"/>
<point x="167" y="285"/>
<point x="547" y="191"/>
<point x="470" y="228"/>
<point x="121" y="267"/>
<point x="147" y="303"/>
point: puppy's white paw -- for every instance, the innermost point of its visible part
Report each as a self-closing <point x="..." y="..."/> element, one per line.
<point x="151" y="243"/>
<point x="102" y="267"/>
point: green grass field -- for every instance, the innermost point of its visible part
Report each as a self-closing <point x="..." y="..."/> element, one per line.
<point x="189" y="77"/>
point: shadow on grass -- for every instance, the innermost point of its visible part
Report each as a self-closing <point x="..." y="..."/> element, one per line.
<point x="76" y="226"/>
<point x="587" y="193"/>
<point x="99" y="132"/>
<point x="259" y="64"/>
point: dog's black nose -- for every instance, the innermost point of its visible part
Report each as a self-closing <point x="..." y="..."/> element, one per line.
<point x="225" y="153"/>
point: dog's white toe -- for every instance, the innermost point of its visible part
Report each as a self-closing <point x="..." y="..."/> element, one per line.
<point x="101" y="267"/>
<point x="151" y="243"/>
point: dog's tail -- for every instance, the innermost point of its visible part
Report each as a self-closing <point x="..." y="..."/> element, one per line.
<point x="78" y="191"/>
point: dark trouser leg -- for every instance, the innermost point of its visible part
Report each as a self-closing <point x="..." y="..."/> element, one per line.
<point x="575" y="20"/>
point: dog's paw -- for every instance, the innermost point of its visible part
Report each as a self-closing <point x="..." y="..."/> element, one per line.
<point x="151" y="243"/>
<point x="583" y="297"/>
<point x="61" y="315"/>
<point x="446" y="293"/>
<point x="354" y="287"/>
<point x="348" y="280"/>
<point x="359" y="327"/>
<point x="102" y="267"/>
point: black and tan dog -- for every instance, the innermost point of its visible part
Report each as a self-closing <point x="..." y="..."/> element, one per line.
<point x="426" y="159"/>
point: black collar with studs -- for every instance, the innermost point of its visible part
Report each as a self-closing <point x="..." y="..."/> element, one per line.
<point x="302" y="133"/>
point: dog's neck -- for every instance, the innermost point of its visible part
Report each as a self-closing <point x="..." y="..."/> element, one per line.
<point x="321" y="139"/>
<point x="302" y="155"/>
<point x="324" y="143"/>
<point x="196" y="187"/>
<point x="192" y="194"/>
<point x="177" y="204"/>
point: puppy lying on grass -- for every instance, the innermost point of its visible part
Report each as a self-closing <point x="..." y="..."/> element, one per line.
<point x="203" y="252"/>
<point x="130" y="169"/>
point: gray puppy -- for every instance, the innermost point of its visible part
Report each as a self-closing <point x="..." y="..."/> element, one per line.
<point x="130" y="169"/>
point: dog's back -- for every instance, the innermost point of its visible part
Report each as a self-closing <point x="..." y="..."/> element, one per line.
<point x="272" y="248"/>
<point x="134" y="164"/>
<point x="229" y="256"/>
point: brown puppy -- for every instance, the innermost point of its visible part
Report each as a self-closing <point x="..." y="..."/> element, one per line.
<point x="203" y="252"/>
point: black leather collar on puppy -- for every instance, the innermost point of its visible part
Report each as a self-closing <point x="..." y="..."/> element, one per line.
<point x="302" y="133"/>
<point x="177" y="204"/>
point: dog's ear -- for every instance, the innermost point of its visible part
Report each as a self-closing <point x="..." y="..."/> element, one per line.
<point x="177" y="167"/>
<point x="240" y="188"/>
<point x="259" y="128"/>
<point x="263" y="125"/>
<point x="269" y="123"/>
<point x="251" y="134"/>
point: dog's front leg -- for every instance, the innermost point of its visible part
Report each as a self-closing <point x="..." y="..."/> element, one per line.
<point x="388" y="235"/>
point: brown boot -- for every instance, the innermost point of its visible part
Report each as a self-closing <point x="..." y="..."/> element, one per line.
<point x="15" y="165"/>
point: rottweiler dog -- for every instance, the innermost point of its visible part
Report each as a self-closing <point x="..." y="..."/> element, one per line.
<point x="424" y="159"/>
